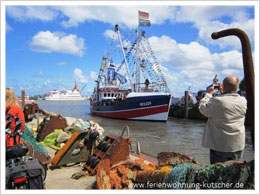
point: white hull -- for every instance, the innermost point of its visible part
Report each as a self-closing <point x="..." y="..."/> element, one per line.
<point x="66" y="99"/>
<point x="71" y="95"/>
<point x="155" y="117"/>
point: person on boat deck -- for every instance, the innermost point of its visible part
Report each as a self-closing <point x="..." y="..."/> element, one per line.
<point x="13" y="109"/>
<point x="146" y="84"/>
<point x="225" y="131"/>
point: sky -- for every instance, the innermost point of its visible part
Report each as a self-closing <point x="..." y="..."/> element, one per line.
<point x="51" y="47"/>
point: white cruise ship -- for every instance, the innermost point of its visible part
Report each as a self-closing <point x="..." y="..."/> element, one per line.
<point x="72" y="95"/>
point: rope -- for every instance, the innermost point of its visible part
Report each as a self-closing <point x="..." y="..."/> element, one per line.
<point x="28" y="137"/>
<point x="180" y="174"/>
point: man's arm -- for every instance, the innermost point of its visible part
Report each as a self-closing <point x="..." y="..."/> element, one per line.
<point x="206" y="105"/>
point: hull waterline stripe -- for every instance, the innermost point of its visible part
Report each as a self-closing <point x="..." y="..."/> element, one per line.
<point x="133" y="109"/>
<point x="155" y="117"/>
<point x="133" y="113"/>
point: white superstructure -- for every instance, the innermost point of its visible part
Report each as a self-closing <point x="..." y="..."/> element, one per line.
<point x="72" y="95"/>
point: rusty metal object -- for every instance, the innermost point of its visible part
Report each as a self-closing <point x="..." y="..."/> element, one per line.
<point x="125" y="173"/>
<point x="136" y="174"/>
<point x="74" y="151"/>
<point x="174" y="158"/>
<point x="37" y="155"/>
<point x="153" y="176"/>
<point x="118" y="151"/>
<point x="102" y="177"/>
<point x="248" y="70"/>
<point x="49" y="124"/>
<point x="119" y="176"/>
<point x="31" y="109"/>
<point x="114" y="148"/>
<point x="81" y="147"/>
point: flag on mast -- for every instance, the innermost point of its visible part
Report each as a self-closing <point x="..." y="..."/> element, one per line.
<point x="143" y="19"/>
<point x="143" y="15"/>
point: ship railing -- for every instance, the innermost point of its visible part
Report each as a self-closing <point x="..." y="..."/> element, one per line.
<point x="108" y="102"/>
<point x="152" y="87"/>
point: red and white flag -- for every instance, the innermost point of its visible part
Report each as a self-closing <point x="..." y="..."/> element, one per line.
<point x="143" y="15"/>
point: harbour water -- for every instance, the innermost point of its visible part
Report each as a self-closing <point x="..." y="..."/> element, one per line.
<point x="178" y="135"/>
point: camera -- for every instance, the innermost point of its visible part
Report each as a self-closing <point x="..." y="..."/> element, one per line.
<point x="216" y="86"/>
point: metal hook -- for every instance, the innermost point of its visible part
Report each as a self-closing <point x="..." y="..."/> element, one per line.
<point x="128" y="132"/>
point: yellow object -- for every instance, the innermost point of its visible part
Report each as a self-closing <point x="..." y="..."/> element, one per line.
<point x="165" y="170"/>
<point x="34" y="129"/>
<point x="150" y="168"/>
<point x="62" y="145"/>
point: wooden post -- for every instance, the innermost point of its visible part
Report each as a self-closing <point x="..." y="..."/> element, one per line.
<point x="186" y="112"/>
<point x="23" y="99"/>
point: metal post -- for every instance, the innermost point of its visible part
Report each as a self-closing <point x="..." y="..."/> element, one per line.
<point x="186" y="111"/>
<point x="97" y="90"/>
<point x="23" y="99"/>
<point x="248" y="71"/>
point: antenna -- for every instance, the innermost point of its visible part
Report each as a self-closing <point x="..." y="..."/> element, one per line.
<point x="83" y="88"/>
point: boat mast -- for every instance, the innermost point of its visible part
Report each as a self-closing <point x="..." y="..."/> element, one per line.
<point x="127" y="68"/>
<point x="105" y="76"/>
<point x="137" y="71"/>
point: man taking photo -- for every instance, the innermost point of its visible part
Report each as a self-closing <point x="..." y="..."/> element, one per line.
<point x="225" y="131"/>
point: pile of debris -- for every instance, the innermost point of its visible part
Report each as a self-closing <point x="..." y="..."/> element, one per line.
<point x="177" y="172"/>
<point x="52" y="130"/>
<point x="116" y="166"/>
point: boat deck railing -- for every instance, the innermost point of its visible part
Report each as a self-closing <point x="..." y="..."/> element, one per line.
<point x="152" y="87"/>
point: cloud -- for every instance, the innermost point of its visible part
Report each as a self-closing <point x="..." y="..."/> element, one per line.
<point x="78" y="75"/>
<point x="230" y="72"/>
<point x="48" y="42"/>
<point x="209" y="19"/>
<point x="93" y="75"/>
<point x="110" y="34"/>
<point x="122" y="15"/>
<point x="75" y="15"/>
<point x="8" y="28"/>
<point x="206" y="19"/>
<point x="193" y="64"/>
<point x="41" y="73"/>
<point x="230" y="59"/>
<point x="47" y="82"/>
<point x="61" y="63"/>
<point x="184" y="56"/>
<point x="25" y="13"/>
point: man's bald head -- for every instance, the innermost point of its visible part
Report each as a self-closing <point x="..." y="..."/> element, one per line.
<point x="230" y="83"/>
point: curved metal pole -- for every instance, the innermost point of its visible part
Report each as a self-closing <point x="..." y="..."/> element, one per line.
<point x="248" y="71"/>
